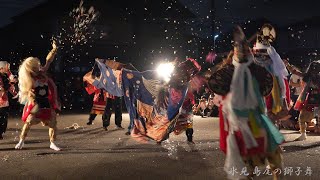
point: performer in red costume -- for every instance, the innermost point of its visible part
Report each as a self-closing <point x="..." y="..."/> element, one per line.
<point x="38" y="93"/>
<point x="7" y="82"/>
<point x="99" y="99"/>
<point x="308" y="102"/>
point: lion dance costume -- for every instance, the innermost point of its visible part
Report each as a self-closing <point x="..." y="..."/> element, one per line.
<point x="267" y="57"/>
<point x="247" y="135"/>
<point x="38" y="93"/>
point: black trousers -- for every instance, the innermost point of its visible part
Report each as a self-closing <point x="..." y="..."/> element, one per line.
<point x="113" y="105"/>
<point x="4" y="114"/>
<point x="189" y="133"/>
<point x="92" y="117"/>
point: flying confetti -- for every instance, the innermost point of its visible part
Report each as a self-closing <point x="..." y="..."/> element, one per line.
<point x="211" y="57"/>
<point x="82" y="27"/>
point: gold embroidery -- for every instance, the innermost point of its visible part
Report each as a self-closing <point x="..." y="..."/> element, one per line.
<point x="130" y="76"/>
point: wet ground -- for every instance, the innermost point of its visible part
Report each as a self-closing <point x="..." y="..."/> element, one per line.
<point x="90" y="152"/>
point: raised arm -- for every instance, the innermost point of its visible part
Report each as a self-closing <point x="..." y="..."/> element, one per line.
<point x="50" y="56"/>
<point x="292" y="68"/>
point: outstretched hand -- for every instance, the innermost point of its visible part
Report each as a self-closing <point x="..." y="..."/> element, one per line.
<point x="54" y="45"/>
<point x="51" y="55"/>
<point x="286" y="62"/>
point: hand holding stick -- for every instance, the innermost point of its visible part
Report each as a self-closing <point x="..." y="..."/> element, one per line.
<point x="292" y="68"/>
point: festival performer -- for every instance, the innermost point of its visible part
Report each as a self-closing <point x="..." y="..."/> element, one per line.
<point x="267" y="57"/>
<point x="99" y="104"/>
<point x="153" y="105"/>
<point x="7" y="82"/>
<point x="38" y="93"/>
<point x="185" y="119"/>
<point x="309" y="99"/>
<point x="113" y="104"/>
<point x="295" y="79"/>
<point x="292" y="69"/>
<point x="103" y="103"/>
<point x="248" y="137"/>
<point x="99" y="98"/>
<point x="295" y="82"/>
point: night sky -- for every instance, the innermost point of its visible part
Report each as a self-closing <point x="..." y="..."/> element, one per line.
<point x="11" y="8"/>
<point x="278" y="11"/>
<point x="227" y="13"/>
<point x="281" y="12"/>
<point x="230" y="12"/>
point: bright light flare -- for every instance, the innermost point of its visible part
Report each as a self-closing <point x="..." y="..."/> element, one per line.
<point x="165" y="70"/>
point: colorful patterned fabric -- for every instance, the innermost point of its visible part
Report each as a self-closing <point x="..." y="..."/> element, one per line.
<point x="153" y="108"/>
<point x="176" y="98"/>
<point x="109" y="79"/>
<point x="185" y="119"/>
<point x="251" y="133"/>
<point x="98" y="107"/>
<point x="100" y="95"/>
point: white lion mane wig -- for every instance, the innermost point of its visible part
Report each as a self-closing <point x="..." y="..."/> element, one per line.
<point x="29" y="68"/>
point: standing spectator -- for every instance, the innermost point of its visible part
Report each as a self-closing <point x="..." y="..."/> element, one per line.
<point x="206" y="93"/>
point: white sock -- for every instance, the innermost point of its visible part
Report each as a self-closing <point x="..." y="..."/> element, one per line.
<point x="302" y="137"/>
<point x="54" y="147"/>
<point x="20" y="144"/>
